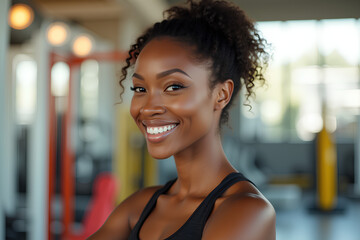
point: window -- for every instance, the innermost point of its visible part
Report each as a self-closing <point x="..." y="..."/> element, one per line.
<point x="314" y="62"/>
<point x="89" y="88"/>
<point x="25" y="84"/>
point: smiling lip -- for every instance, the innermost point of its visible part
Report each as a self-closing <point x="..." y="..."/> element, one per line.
<point x="157" y="131"/>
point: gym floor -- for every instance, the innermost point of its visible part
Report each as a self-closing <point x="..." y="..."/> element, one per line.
<point x="301" y="224"/>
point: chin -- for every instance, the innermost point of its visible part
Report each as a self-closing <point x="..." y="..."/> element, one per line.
<point x="159" y="154"/>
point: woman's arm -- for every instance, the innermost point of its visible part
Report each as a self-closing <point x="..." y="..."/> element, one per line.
<point x="249" y="217"/>
<point x="117" y="225"/>
<point x="120" y="222"/>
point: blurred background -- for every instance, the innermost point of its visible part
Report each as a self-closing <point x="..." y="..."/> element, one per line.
<point x="69" y="150"/>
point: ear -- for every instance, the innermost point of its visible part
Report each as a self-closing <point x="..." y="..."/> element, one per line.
<point x="224" y="92"/>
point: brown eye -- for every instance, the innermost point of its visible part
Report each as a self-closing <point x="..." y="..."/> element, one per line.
<point x="174" y="87"/>
<point x="138" y="89"/>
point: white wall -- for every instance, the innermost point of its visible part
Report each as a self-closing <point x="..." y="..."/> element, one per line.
<point x="4" y="34"/>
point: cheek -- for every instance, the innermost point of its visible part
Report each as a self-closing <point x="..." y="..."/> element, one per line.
<point x="196" y="110"/>
<point x="135" y="108"/>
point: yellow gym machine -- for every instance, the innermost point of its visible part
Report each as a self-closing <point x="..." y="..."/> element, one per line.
<point x="133" y="165"/>
<point x="326" y="170"/>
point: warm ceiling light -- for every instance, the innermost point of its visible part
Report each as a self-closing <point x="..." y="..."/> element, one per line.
<point x="20" y="16"/>
<point x="57" y="33"/>
<point x="82" y="45"/>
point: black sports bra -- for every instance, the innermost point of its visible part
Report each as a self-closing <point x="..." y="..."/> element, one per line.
<point x="193" y="227"/>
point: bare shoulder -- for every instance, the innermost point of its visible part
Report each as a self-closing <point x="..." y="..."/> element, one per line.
<point x="125" y="215"/>
<point x="243" y="214"/>
<point x="136" y="203"/>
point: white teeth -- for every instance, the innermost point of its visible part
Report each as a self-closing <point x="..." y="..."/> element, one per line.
<point x="156" y="130"/>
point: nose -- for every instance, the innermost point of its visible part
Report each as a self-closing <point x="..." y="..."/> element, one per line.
<point x="153" y="106"/>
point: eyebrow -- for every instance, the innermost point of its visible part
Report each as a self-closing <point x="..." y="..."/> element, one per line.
<point x="163" y="74"/>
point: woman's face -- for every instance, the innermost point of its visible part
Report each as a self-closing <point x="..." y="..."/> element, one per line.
<point x="172" y="102"/>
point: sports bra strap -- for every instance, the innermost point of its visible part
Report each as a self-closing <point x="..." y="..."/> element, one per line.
<point x="152" y="203"/>
<point x="210" y="200"/>
<point x="193" y="227"/>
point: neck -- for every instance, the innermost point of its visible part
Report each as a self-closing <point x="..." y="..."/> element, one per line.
<point x="202" y="166"/>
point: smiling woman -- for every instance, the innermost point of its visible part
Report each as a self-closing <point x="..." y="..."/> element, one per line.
<point x="187" y="71"/>
<point x="174" y="91"/>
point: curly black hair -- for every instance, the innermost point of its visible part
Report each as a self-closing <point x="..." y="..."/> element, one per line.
<point x="221" y="33"/>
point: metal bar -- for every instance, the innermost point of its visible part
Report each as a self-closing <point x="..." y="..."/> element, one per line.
<point x="67" y="173"/>
<point x="357" y="158"/>
<point x="52" y="148"/>
<point x="357" y="139"/>
<point x="38" y="146"/>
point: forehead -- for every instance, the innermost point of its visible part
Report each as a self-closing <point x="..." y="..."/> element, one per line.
<point x="167" y="53"/>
